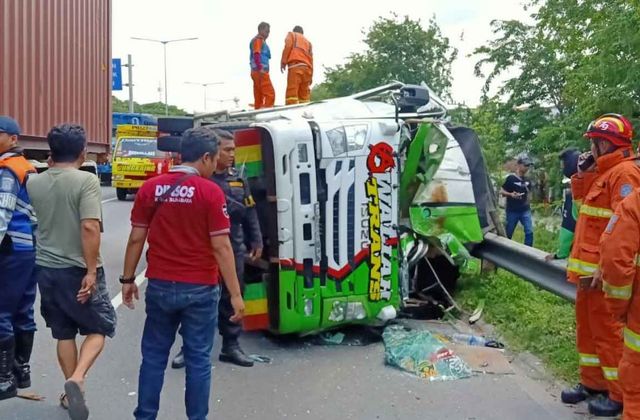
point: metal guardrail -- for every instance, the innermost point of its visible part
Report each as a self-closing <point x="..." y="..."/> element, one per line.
<point x="526" y="262"/>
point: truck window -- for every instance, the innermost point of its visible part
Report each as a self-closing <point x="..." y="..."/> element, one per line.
<point x="138" y="148"/>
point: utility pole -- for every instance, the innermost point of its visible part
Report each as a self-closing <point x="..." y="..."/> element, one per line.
<point x="129" y="67"/>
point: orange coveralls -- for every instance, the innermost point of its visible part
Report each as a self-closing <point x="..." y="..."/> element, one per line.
<point x="298" y="57"/>
<point x="619" y="260"/>
<point x="599" y="335"/>
<point x="264" y="96"/>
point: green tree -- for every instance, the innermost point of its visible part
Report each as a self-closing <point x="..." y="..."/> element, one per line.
<point x="397" y="49"/>
<point x="153" y="108"/>
<point x="576" y="60"/>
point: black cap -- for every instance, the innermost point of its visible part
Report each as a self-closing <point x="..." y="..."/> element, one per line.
<point x="525" y="161"/>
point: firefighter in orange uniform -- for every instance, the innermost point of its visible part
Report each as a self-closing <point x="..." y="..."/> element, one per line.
<point x="263" y="94"/>
<point x="598" y="188"/>
<point x="619" y="260"/>
<point x="298" y="57"/>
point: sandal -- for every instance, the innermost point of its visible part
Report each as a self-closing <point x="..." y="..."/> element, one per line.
<point x="64" y="401"/>
<point x="77" y="406"/>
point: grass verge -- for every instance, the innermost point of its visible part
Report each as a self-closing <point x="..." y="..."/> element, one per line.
<point x="528" y="318"/>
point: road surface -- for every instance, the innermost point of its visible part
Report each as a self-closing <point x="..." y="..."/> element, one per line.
<point x="303" y="381"/>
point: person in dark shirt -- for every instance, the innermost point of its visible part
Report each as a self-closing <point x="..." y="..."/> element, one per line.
<point x="516" y="189"/>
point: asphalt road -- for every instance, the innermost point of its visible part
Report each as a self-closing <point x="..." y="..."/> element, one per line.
<point x="303" y="381"/>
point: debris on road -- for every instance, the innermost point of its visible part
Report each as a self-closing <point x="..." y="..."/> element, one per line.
<point x="422" y="354"/>
<point x="30" y="396"/>
<point x="477" y="314"/>
<point x="259" y="358"/>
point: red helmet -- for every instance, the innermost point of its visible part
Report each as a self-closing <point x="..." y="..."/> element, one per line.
<point x="613" y="127"/>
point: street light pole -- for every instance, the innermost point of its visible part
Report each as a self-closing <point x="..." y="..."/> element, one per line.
<point x="164" y="45"/>
<point x="204" y="86"/>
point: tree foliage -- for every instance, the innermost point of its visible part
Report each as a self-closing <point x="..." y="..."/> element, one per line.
<point x="153" y="108"/>
<point x="546" y="80"/>
<point x="397" y="49"/>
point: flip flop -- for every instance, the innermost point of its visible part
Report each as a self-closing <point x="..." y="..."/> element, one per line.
<point x="77" y="407"/>
<point x="64" y="401"/>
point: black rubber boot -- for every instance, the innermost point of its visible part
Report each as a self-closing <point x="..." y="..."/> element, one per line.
<point x="21" y="368"/>
<point x="178" y="361"/>
<point x="605" y="407"/>
<point x="578" y="394"/>
<point x="232" y="353"/>
<point x="7" y="383"/>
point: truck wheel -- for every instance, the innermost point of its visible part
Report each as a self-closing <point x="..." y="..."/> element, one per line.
<point x="121" y="193"/>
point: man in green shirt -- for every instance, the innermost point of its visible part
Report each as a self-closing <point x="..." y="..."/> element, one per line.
<point x="74" y="298"/>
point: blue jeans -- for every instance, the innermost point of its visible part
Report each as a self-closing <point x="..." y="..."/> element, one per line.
<point x="168" y="306"/>
<point x="524" y="217"/>
<point x="17" y="292"/>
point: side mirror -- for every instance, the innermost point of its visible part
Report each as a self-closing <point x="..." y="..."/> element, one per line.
<point x="169" y="144"/>
<point x="412" y="97"/>
<point x="174" y="125"/>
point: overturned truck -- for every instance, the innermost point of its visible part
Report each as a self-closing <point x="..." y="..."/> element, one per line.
<point x="364" y="202"/>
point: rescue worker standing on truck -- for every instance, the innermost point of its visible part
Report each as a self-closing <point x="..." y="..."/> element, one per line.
<point x="619" y="260"/>
<point x="298" y="57"/>
<point x="17" y="263"/>
<point x="245" y="228"/>
<point x="605" y="177"/>
<point x="263" y="94"/>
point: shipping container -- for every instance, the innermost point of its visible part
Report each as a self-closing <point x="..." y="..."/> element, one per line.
<point x="55" y="67"/>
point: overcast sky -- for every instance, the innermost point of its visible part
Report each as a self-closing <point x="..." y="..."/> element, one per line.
<point x="225" y="28"/>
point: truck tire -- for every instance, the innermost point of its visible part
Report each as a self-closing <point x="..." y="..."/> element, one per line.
<point x="121" y="193"/>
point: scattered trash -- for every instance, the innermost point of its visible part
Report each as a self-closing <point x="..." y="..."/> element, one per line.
<point x="333" y="338"/>
<point x="483" y="359"/>
<point x="348" y="336"/>
<point x="421" y="354"/>
<point x="30" y="396"/>
<point x="387" y="313"/>
<point x="132" y="394"/>
<point x="477" y="314"/>
<point x="476" y="340"/>
<point x="259" y="358"/>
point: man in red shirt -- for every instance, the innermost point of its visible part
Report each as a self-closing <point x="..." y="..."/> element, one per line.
<point x="183" y="216"/>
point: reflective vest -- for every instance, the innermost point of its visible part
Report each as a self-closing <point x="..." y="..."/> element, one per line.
<point x="297" y="50"/>
<point x="596" y="195"/>
<point x="259" y="45"/>
<point x="21" y="227"/>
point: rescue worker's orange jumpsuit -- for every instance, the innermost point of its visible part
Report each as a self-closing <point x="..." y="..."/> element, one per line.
<point x="298" y="57"/>
<point x="264" y="96"/>
<point x="599" y="335"/>
<point x="619" y="260"/>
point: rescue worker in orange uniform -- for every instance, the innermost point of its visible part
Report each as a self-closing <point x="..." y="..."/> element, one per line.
<point x="619" y="260"/>
<point x="263" y="94"/>
<point x="298" y="57"/>
<point x="603" y="180"/>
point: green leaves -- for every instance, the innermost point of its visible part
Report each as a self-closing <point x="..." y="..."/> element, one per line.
<point x="397" y="49"/>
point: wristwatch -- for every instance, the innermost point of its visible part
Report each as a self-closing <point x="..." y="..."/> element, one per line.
<point x="127" y="280"/>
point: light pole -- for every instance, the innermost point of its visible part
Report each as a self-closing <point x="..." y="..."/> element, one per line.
<point x="164" y="45"/>
<point x="204" y="86"/>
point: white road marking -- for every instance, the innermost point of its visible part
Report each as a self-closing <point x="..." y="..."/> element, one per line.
<point x="117" y="300"/>
<point x="109" y="199"/>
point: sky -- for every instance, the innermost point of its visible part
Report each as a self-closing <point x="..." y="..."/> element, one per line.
<point x="225" y="28"/>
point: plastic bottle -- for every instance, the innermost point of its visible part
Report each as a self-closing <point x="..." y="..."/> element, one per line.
<point x="469" y="339"/>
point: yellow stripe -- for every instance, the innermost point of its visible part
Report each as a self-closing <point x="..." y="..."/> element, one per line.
<point x="255" y="307"/>
<point x="617" y="292"/>
<point x="246" y="154"/>
<point x="596" y="211"/>
<point x="610" y="373"/>
<point x="589" y="360"/>
<point x="632" y="339"/>
<point x="580" y="267"/>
